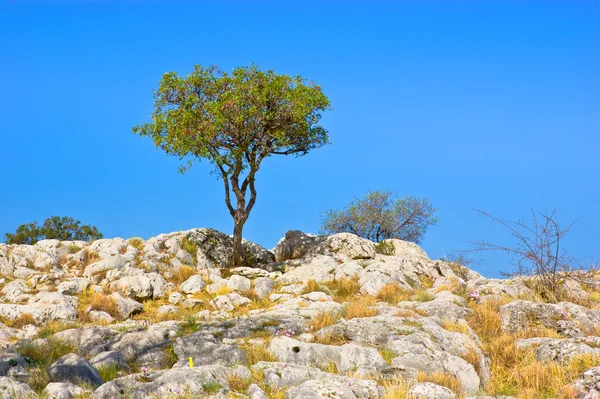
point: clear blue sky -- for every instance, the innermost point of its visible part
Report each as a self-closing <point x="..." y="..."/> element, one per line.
<point x="489" y="104"/>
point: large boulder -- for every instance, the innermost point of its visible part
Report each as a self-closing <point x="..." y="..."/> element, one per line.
<point x="74" y="369"/>
<point x="143" y="286"/>
<point x="349" y="357"/>
<point x="192" y="285"/>
<point x="294" y="245"/>
<point x="566" y="318"/>
<point x="42" y="307"/>
<point x="11" y="389"/>
<point x="589" y="386"/>
<point x="214" y="249"/>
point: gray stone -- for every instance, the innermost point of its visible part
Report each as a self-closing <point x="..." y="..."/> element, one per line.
<point x="64" y="390"/>
<point x="75" y="369"/>
<point x="238" y="283"/>
<point x="192" y="285"/>
<point x="428" y="390"/>
<point x="11" y="389"/>
<point x="110" y="359"/>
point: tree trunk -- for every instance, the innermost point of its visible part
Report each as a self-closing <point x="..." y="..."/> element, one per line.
<point x="238" y="248"/>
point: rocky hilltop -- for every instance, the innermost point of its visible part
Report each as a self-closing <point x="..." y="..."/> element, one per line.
<point x="317" y="317"/>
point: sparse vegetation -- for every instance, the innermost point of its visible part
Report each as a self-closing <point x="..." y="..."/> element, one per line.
<point x="381" y="215"/>
<point x="392" y="294"/>
<point x="55" y="227"/>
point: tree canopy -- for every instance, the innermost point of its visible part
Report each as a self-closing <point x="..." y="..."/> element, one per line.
<point x="235" y="121"/>
<point x="55" y="227"/>
<point x="380" y="215"/>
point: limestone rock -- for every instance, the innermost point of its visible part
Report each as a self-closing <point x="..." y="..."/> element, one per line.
<point x="74" y="369"/>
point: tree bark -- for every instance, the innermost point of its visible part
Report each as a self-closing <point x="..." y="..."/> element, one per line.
<point x="238" y="248"/>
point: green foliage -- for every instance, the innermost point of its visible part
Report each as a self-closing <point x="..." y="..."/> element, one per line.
<point x="45" y="354"/>
<point x="236" y="120"/>
<point x="108" y="373"/>
<point x="190" y="248"/>
<point x="380" y="215"/>
<point x="55" y="227"/>
<point x="385" y="248"/>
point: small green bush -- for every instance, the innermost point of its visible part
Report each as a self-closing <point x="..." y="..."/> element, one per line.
<point x="385" y="248"/>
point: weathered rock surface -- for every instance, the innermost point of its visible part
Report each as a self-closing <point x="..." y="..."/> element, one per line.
<point x="263" y="327"/>
<point x="74" y="369"/>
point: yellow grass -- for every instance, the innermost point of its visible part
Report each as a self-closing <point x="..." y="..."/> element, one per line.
<point x="182" y="273"/>
<point x="396" y="388"/>
<point x="311" y="286"/>
<point x="353" y="310"/>
<point x="392" y="294"/>
<point x="455" y="326"/>
<point x="257" y="353"/>
<point x="443" y="379"/>
<point x="322" y="320"/>
<point x="344" y="289"/>
<point x="21" y="321"/>
<point x="237" y="383"/>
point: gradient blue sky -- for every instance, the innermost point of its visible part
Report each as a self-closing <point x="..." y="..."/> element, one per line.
<point x="489" y="104"/>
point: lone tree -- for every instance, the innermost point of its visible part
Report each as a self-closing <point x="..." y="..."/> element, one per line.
<point x="235" y="121"/>
<point x="55" y="227"/>
<point x="381" y="215"/>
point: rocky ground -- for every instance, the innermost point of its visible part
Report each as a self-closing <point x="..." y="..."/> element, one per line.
<point x="317" y="317"/>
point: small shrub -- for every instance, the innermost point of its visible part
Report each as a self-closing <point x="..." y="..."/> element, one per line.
<point x="385" y="248"/>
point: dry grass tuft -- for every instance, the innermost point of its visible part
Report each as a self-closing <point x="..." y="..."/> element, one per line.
<point x="237" y="383"/>
<point x="330" y="338"/>
<point x="443" y="379"/>
<point x="311" y="286"/>
<point x="223" y="290"/>
<point x="322" y="320"/>
<point x="257" y="353"/>
<point x="396" y="388"/>
<point x="137" y="243"/>
<point x="182" y="273"/>
<point x="104" y="303"/>
<point x="485" y="319"/>
<point x="392" y="294"/>
<point x="21" y="321"/>
<point x="344" y="289"/>
<point x="354" y="310"/>
<point x="454" y="326"/>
